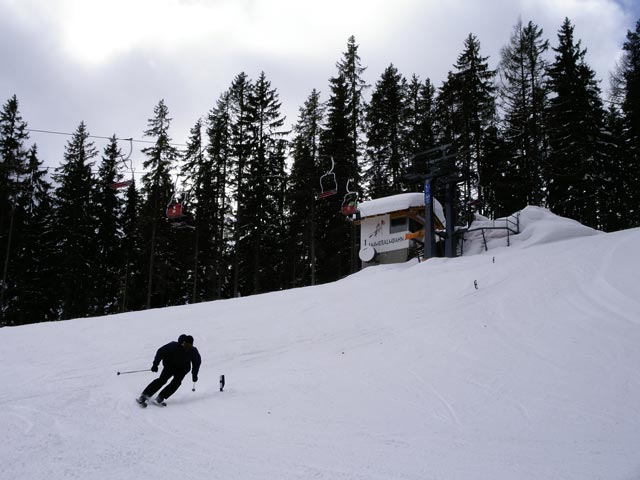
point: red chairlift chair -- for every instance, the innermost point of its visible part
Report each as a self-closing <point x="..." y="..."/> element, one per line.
<point x="349" y="202"/>
<point x="328" y="183"/>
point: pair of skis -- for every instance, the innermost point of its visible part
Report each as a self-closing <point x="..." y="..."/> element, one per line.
<point x="143" y="402"/>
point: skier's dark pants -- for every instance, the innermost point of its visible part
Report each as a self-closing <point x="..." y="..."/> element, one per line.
<point x="164" y="377"/>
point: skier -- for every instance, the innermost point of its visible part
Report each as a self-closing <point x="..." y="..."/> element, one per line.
<point x="177" y="359"/>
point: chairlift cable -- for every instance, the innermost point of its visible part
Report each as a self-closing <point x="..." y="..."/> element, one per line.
<point x="131" y="139"/>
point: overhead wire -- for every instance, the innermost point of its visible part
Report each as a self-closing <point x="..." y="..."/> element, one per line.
<point x="129" y="139"/>
<point x="53" y="132"/>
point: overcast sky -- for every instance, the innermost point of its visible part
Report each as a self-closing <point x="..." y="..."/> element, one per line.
<point x="109" y="62"/>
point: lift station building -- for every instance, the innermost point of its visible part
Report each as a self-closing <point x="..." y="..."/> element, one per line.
<point x="392" y="227"/>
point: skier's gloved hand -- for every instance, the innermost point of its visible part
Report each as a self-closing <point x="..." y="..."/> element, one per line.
<point x="195" y="378"/>
<point x="154" y="368"/>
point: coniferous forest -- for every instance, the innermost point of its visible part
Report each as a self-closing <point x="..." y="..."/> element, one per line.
<point x="89" y="238"/>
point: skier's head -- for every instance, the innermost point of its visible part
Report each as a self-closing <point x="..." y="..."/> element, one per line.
<point x="187" y="341"/>
<point x="182" y="337"/>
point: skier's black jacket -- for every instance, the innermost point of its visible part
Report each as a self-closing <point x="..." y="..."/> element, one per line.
<point x="178" y="359"/>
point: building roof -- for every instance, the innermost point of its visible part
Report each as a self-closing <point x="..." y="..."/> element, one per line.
<point x="395" y="203"/>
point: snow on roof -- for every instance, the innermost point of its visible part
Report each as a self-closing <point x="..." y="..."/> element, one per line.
<point x="394" y="203"/>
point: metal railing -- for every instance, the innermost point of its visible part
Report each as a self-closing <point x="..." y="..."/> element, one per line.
<point x="511" y="224"/>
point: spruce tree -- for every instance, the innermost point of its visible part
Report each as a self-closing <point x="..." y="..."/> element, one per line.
<point x="261" y="245"/>
<point x="523" y="96"/>
<point x="242" y="145"/>
<point x="197" y="172"/>
<point x="13" y="173"/>
<point x="219" y="154"/>
<point x="615" y="194"/>
<point x="158" y="237"/>
<point x="631" y="112"/>
<point x="386" y="125"/>
<point x="342" y="142"/>
<point x="466" y="113"/>
<point x="76" y="226"/>
<point x="476" y="110"/>
<point x="302" y="192"/>
<point x="109" y="262"/>
<point x="420" y="103"/>
<point x="575" y="122"/>
<point x="351" y="69"/>
<point x="36" y="284"/>
<point x="132" y="294"/>
<point x="333" y="256"/>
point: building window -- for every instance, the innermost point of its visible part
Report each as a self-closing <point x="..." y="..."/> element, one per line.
<point x="398" y="224"/>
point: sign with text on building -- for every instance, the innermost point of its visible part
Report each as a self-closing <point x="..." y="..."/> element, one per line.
<point x="375" y="233"/>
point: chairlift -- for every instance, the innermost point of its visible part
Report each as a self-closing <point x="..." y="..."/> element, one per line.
<point x="328" y="183"/>
<point x="350" y="202"/>
<point x="128" y="163"/>
<point x="119" y="185"/>
<point x="175" y="207"/>
<point x="174" y="211"/>
<point x="176" y="214"/>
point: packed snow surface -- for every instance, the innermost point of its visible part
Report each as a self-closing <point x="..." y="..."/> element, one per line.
<point x="397" y="372"/>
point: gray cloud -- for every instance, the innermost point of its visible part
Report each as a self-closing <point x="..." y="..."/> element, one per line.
<point x="58" y="85"/>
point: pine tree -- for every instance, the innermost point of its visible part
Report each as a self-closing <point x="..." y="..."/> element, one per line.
<point x="523" y="95"/>
<point x="386" y="125"/>
<point x="13" y="171"/>
<point x="110" y="260"/>
<point x="36" y="284"/>
<point x="420" y="131"/>
<point x="575" y="122"/>
<point x="132" y="294"/>
<point x="197" y="173"/>
<point x="614" y="192"/>
<point x="242" y="144"/>
<point x="219" y="153"/>
<point x="304" y="184"/>
<point x="158" y="190"/>
<point x="351" y="69"/>
<point x="631" y="112"/>
<point x="466" y="113"/>
<point x="476" y="108"/>
<point x="260" y="246"/>
<point x="333" y="259"/>
<point x="420" y="116"/>
<point x="76" y="226"/>
<point x="341" y="141"/>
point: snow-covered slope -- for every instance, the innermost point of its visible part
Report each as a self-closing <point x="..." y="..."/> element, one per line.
<point x="397" y="372"/>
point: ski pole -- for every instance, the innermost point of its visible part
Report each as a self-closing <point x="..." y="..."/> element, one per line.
<point x="194" y="387"/>
<point x="133" y="371"/>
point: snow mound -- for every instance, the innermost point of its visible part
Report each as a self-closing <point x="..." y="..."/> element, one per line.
<point x="535" y="226"/>
<point x="539" y="226"/>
